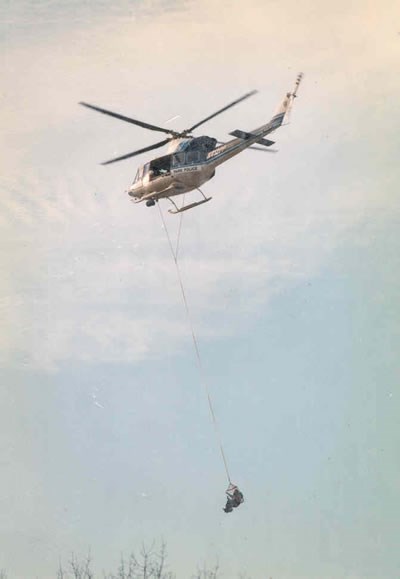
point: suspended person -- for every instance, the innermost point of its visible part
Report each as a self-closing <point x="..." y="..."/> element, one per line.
<point x="234" y="498"/>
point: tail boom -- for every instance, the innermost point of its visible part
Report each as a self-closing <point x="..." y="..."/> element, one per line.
<point x="246" y="139"/>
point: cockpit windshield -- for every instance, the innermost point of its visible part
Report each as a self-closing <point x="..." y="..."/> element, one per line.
<point x="139" y="174"/>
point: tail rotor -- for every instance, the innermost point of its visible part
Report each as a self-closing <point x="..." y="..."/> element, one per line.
<point x="293" y="95"/>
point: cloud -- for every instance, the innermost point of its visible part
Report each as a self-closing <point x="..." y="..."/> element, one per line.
<point x="88" y="275"/>
<point x="93" y="280"/>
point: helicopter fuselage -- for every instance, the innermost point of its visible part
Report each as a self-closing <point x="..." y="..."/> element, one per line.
<point x="193" y="162"/>
<point x="184" y="169"/>
<point x="176" y="182"/>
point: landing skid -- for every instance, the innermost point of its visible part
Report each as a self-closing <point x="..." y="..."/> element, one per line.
<point x="190" y="206"/>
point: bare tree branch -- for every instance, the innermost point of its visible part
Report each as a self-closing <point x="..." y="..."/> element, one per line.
<point x="81" y="570"/>
<point x="206" y="573"/>
<point x="148" y="563"/>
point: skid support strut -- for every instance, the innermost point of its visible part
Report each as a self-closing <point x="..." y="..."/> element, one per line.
<point x="190" y="206"/>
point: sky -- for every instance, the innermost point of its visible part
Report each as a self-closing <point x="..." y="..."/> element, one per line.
<point x="291" y="274"/>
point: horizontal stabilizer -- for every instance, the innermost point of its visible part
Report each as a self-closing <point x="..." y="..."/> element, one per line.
<point x="245" y="136"/>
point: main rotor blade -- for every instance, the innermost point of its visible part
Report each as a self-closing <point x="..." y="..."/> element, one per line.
<point x="127" y="119"/>
<point x="138" y="152"/>
<point x="247" y="95"/>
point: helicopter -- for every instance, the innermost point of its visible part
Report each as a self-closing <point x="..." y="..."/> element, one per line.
<point x="192" y="161"/>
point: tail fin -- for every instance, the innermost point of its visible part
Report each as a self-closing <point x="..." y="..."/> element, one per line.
<point x="287" y="102"/>
<point x="297" y="84"/>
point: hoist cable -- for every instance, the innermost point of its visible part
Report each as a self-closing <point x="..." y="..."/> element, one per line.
<point x="196" y="348"/>
<point x="179" y="229"/>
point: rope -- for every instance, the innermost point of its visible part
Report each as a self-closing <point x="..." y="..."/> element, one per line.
<point x="196" y="348"/>
<point x="179" y="229"/>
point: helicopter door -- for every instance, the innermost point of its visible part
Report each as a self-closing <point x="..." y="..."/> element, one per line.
<point x="160" y="167"/>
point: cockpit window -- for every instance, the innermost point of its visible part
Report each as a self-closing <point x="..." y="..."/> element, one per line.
<point x="178" y="159"/>
<point x="189" y="157"/>
<point x="193" y="157"/>
<point x="139" y="174"/>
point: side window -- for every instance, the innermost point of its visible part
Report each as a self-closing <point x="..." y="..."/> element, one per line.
<point x="179" y="159"/>
<point x="193" y="156"/>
